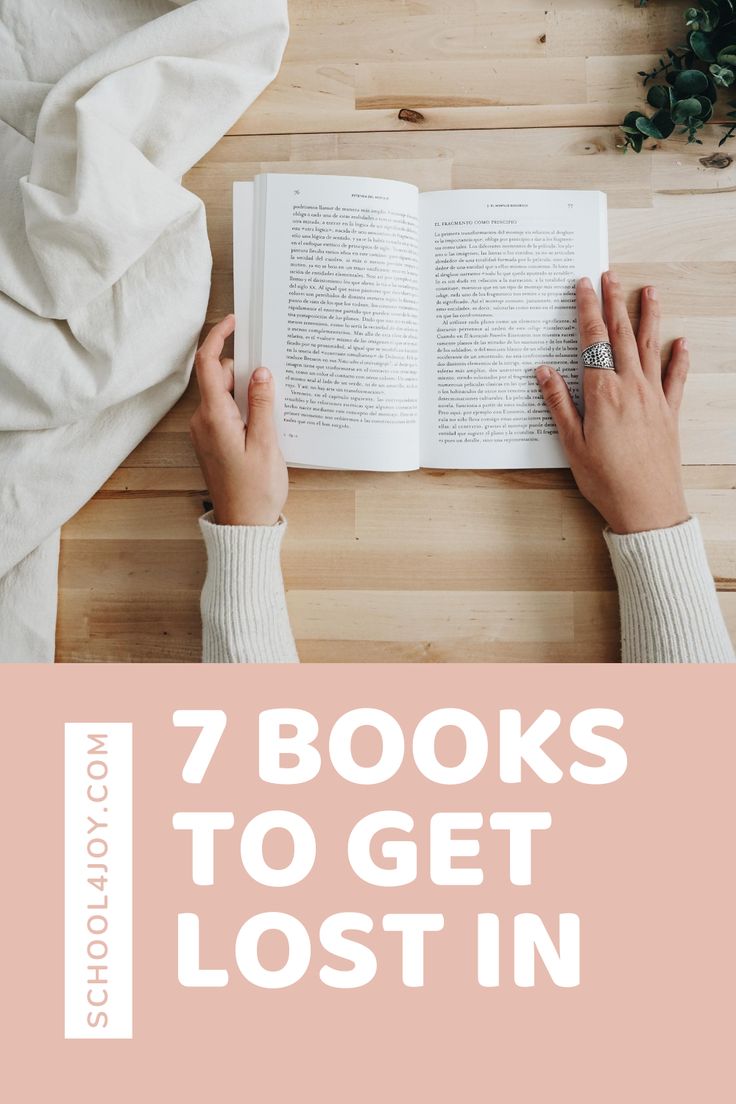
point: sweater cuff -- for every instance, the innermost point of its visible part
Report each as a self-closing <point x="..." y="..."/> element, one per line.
<point x="244" y="613"/>
<point x="669" y="606"/>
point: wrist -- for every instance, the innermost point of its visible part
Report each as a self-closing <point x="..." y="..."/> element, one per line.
<point x="246" y="509"/>
<point x="245" y="518"/>
<point x="646" y="521"/>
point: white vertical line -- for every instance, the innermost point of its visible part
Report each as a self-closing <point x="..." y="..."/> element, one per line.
<point x="98" y="881"/>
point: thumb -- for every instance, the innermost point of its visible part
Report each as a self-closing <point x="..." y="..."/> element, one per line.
<point x="261" y="402"/>
<point x="560" y="405"/>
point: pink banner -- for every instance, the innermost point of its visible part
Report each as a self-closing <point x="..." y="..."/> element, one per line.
<point x="486" y="884"/>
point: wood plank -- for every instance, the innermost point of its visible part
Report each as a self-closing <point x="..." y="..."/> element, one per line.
<point x="154" y="481"/>
<point x="426" y="32"/>
<point x="498" y="82"/>
<point x="325" y="101"/>
<point x="613" y="28"/>
<point x="167" y="629"/>
<point x="708" y="420"/>
<point x="677" y="228"/>
<point x="131" y="569"/>
<point x="174" y="517"/>
<point x="404" y="617"/>
<point x="148" y="627"/>
<point x="345" y="62"/>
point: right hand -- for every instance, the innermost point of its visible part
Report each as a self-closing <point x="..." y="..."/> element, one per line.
<point x="625" y="452"/>
<point x="243" y="467"/>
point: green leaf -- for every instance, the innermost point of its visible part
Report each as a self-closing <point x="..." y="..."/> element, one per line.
<point x="723" y="76"/>
<point x="690" y="82"/>
<point x="686" y="109"/>
<point x="630" y="120"/>
<point x="658" y="96"/>
<point x="710" y="15"/>
<point x="646" y="126"/>
<point x="706" y="108"/>
<point x="712" y="92"/>
<point x="727" y="56"/>
<point x="664" y="123"/>
<point x="700" y="43"/>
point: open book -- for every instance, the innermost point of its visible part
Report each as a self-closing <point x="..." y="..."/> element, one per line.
<point x="403" y="328"/>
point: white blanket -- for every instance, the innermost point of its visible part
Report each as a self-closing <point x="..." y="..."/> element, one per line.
<point x="104" y="257"/>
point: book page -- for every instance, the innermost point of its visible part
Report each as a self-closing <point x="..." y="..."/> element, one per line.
<point x="498" y="273"/>
<point x="335" y="317"/>
<point x="244" y="263"/>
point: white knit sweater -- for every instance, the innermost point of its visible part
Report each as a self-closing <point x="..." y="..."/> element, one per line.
<point x="669" y="607"/>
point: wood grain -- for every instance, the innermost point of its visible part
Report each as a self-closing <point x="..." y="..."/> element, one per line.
<point x="438" y="566"/>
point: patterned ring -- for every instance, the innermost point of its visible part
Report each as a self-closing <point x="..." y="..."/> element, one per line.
<point x="599" y="355"/>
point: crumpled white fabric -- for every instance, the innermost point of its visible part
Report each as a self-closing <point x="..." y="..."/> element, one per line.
<point x="104" y="258"/>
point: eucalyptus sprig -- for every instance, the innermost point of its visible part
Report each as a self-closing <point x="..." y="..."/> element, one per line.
<point x="692" y="73"/>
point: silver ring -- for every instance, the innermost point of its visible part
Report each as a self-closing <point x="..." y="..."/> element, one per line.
<point x="599" y="355"/>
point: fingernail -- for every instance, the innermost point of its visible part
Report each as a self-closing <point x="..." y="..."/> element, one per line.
<point x="261" y="375"/>
<point x="652" y="293"/>
<point x="543" y="373"/>
<point x="612" y="277"/>
<point x="683" y="344"/>
<point x="585" y="283"/>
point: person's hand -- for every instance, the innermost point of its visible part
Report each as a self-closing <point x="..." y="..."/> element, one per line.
<point x="625" y="451"/>
<point x="245" y="472"/>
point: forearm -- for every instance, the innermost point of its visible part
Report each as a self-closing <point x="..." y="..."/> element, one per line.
<point x="244" y="613"/>
<point x="668" y="601"/>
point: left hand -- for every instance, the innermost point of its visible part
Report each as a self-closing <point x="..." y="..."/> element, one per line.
<point x="243" y="467"/>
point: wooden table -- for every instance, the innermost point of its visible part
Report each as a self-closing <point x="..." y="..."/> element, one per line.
<point x="440" y="565"/>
